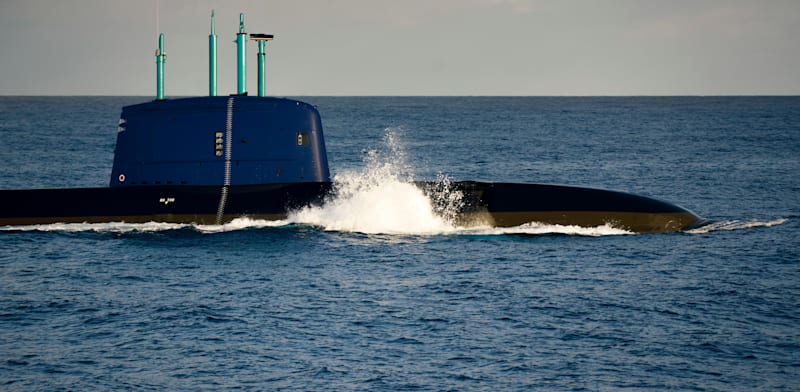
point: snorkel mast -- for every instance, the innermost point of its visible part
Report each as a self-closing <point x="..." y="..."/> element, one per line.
<point x="241" y="56"/>
<point x="160" y="58"/>
<point x="212" y="59"/>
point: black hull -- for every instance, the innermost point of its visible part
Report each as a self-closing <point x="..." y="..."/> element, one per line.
<point x="495" y="204"/>
<point x="514" y="204"/>
<point x="174" y="204"/>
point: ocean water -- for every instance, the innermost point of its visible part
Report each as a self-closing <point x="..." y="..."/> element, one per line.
<point x="379" y="292"/>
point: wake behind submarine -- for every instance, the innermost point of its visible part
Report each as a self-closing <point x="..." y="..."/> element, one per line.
<point x="209" y="160"/>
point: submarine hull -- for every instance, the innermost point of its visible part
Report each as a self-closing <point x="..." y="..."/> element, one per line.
<point x="515" y="204"/>
<point x="172" y="204"/>
<point x="483" y="203"/>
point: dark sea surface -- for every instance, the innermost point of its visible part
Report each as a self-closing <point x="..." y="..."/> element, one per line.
<point x="358" y="300"/>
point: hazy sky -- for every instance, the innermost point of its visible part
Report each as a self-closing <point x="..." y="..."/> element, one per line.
<point x="407" y="47"/>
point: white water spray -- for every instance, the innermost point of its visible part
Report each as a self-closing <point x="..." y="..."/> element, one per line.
<point x="382" y="198"/>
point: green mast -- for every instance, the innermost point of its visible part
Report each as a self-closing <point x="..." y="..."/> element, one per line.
<point x="241" y="40"/>
<point x="160" y="58"/>
<point x="212" y="59"/>
<point x="262" y="44"/>
<point x="262" y="84"/>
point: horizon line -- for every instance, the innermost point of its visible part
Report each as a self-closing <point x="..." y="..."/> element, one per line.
<point x="420" y="95"/>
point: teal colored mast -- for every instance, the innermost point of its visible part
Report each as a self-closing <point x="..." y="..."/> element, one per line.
<point x="262" y="44"/>
<point x="241" y="40"/>
<point x="212" y="59"/>
<point x="262" y="84"/>
<point x="160" y="58"/>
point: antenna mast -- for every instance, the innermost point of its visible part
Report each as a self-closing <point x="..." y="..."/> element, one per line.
<point x="160" y="58"/>
<point x="241" y="40"/>
<point x="212" y="59"/>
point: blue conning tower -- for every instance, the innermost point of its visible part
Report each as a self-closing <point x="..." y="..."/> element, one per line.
<point x="236" y="140"/>
<point x="218" y="140"/>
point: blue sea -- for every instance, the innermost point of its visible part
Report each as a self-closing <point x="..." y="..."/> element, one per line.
<point x="375" y="292"/>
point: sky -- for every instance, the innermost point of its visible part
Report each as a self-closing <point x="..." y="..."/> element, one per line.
<point x="408" y="47"/>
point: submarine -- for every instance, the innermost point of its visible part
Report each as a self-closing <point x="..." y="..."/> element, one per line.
<point x="212" y="159"/>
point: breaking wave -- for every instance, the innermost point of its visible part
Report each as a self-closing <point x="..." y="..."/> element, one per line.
<point x="381" y="198"/>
